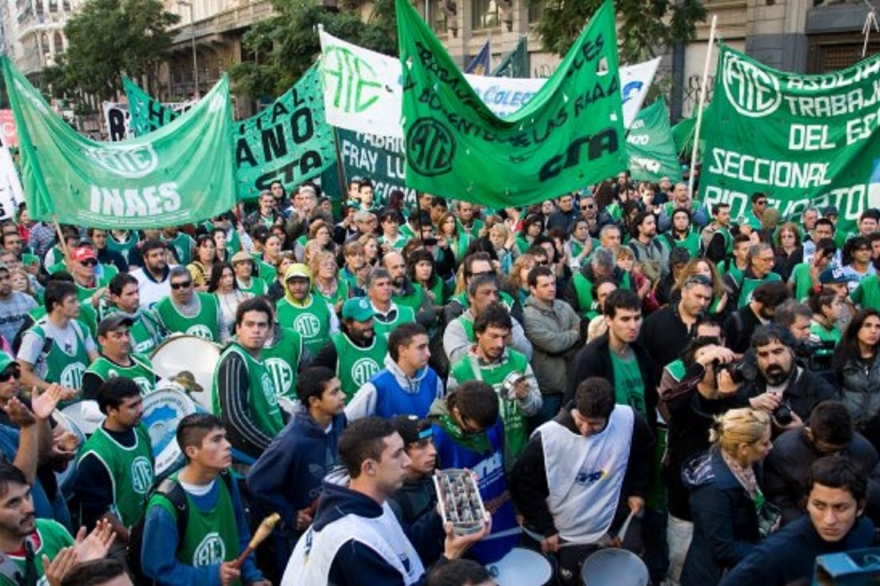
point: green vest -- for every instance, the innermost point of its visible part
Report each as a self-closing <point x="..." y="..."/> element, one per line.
<point x="146" y="331"/>
<point x="30" y="260"/>
<point x="867" y="294"/>
<point x="183" y="245"/>
<point x="514" y="363"/>
<point x="340" y="295"/>
<point x="88" y="317"/>
<point x="748" y="286"/>
<point x="311" y="321"/>
<point x="203" y="324"/>
<point x="140" y="371"/>
<point x="123" y="248"/>
<point x="355" y="366"/>
<point x="84" y="294"/>
<point x="261" y="397"/>
<point x="257" y="287"/>
<point x="52" y="537"/>
<point x="413" y="300"/>
<point x="803" y="282"/>
<point x="405" y="314"/>
<point x="130" y="470"/>
<point x="211" y="537"/>
<point x="691" y="243"/>
<point x="61" y="367"/>
<point x="282" y="362"/>
<point x="583" y="288"/>
<point x="824" y="335"/>
<point x="264" y="270"/>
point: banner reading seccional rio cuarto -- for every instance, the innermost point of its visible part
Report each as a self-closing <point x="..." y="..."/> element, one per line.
<point x="801" y="139"/>
<point x="180" y="174"/>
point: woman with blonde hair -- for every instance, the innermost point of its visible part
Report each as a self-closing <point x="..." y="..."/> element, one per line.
<point x="729" y="510"/>
<point x="370" y="242"/>
<point x="519" y="276"/>
<point x="327" y="284"/>
<point x="706" y="268"/>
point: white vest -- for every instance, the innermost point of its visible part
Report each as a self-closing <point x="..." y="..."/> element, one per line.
<point x="585" y="475"/>
<point x="314" y="553"/>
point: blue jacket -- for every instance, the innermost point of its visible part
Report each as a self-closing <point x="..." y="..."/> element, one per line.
<point x="725" y="520"/>
<point x="356" y="563"/>
<point x="287" y="476"/>
<point x="790" y="554"/>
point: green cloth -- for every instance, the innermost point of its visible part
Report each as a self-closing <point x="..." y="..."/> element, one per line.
<point x="203" y="324"/>
<point x="180" y="174"/>
<point x="261" y="397"/>
<point x="570" y="134"/>
<point x="355" y="366"/>
<point x="282" y="360"/>
<point x="52" y="537"/>
<point x="629" y="389"/>
<point x="650" y="146"/>
<point x="867" y="294"/>
<point x="311" y="320"/>
<point x="140" y="371"/>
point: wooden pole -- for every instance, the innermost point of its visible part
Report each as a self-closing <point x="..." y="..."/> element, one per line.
<point x="700" y="102"/>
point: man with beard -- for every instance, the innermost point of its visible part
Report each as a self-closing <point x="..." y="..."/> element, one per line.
<point x="29" y="545"/>
<point x="115" y="468"/>
<point x="356" y="353"/>
<point x="406" y="293"/>
<point x="152" y="277"/>
<point x="781" y="387"/>
<point x="646" y="246"/>
<point x="741" y="324"/>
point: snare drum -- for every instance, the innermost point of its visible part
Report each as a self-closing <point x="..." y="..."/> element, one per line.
<point x="193" y="354"/>
<point x="522" y="567"/>
<point x="65" y="479"/>
<point x="614" y="567"/>
<point x="163" y="410"/>
<point x="86" y="415"/>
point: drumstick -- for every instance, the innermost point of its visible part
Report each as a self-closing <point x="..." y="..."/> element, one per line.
<point x="262" y="532"/>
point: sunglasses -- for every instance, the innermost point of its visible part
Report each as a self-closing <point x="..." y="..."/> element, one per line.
<point x="588" y="206"/>
<point x="761" y="202"/>
<point x="89" y="262"/>
<point x="184" y="285"/>
<point x="8" y="375"/>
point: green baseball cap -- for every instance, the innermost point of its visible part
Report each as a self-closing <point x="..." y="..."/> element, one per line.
<point x="6" y="360"/>
<point x="358" y="309"/>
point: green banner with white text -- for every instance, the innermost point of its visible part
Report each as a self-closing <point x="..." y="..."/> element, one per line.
<point x="804" y="140"/>
<point x="180" y="174"/>
<point x="290" y="141"/>
<point x="568" y="136"/>
<point x="650" y="146"/>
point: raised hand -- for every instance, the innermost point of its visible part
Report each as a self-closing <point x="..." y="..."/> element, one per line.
<point x="96" y="544"/>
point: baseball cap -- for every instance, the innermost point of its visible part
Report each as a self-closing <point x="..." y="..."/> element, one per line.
<point x="3" y="267"/>
<point x="358" y="309"/>
<point x="830" y="211"/>
<point x="242" y="256"/>
<point x="834" y="275"/>
<point x="6" y="360"/>
<point x="297" y="270"/>
<point x="112" y="322"/>
<point x="82" y="253"/>
<point x="412" y="429"/>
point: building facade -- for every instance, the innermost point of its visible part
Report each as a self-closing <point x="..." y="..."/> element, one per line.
<point x="33" y="31"/>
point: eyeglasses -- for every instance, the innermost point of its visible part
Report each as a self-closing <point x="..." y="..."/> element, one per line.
<point x="89" y="262"/>
<point x="698" y="280"/>
<point x="761" y="202"/>
<point x="183" y="285"/>
<point x="8" y="375"/>
<point x="588" y="206"/>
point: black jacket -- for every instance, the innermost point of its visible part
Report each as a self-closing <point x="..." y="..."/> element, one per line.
<point x="664" y="335"/>
<point x="528" y="479"/>
<point x="594" y="359"/>
<point x="725" y="520"/>
<point x="805" y="390"/>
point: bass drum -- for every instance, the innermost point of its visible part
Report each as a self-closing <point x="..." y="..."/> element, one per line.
<point x="614" y="567"/>
<point x="163" y="411"/>
<point x="66" y="477"/>
<point x="522" y="567"/>
<point x="86" y="415"/>
<point x="193" y="354"/>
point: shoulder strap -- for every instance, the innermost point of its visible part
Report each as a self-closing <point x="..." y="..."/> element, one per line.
<point x="174" y="493"/>
<point x="10" y="570"/>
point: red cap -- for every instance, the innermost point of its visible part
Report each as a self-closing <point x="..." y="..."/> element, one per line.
<point x="82" y="253"/>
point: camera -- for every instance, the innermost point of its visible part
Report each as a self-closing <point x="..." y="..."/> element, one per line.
<point x="782" y="414"/>
<point x="740" y="371"/>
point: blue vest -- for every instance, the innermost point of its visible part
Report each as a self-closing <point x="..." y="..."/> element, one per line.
<point x="393" y="400"/>
<point x="493" y="488"/>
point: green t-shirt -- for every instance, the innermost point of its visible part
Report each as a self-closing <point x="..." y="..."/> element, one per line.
<point x="183" y="246"/>
<point x="629" y="388"/>
<point x="867" y="294"/>
<point x="803" y="282"/>
<point x="125" y="247"/>
<point x="820" y="333"/>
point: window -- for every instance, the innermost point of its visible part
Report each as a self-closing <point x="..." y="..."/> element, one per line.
<point x="486" y="15"/>
<point x="59" y="43"/>
<point x="536" y="8"/>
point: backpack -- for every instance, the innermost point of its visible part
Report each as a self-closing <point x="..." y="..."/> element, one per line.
<point x="176" y="495"/>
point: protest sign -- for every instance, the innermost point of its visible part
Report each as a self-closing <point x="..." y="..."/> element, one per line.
<point x="804" y="140"/>
<point x="289" y="141"/>
<point x="363" y="91"/>
<point x="147" y="114"/>
<point x="380" y="158"/>
<point x="182" y="173"/>
<point x="650" y="146"/>
<point x="116" y="120"/>
<point x="569" y="135"/>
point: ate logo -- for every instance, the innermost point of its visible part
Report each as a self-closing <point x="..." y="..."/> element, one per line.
<point x="431" y="147"/>
<point x="210" y="552"/>
<point x="129" y="162"/>
<point x="751" y="91"/>
<point x="363" y="370"/>
<point x="307" y="324"/>
<point x="352" y="81"/>
<point x="141" y="475"/>
<point x="72" y="375"/>
<point x="281" y="373"/>
<point x="201" y="331"/>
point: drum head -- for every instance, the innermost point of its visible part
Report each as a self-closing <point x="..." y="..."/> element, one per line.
<point x="86" y="415"/>
<point x="521" y="567"/>
<point x="614" y="567"/>
<point x="65" y="479"/>
<point x="190" y="353"/>
<point x="163" y="410"/>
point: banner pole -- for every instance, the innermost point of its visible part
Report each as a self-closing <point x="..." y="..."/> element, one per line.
<point x="340" y="170"/>
<point x="700" y="102"/>
<point x="61" y="241"/>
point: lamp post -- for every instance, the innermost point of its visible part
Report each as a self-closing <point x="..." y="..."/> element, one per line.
<point x="192" y="29"/>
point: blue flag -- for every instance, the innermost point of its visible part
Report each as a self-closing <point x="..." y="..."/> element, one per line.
<point x="480" y="65"/>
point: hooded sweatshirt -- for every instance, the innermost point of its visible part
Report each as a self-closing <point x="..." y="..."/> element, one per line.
<point x="391" y="392"/>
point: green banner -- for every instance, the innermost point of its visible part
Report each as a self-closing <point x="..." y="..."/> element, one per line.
<point x="516" y="64"/>
<point x="290" y="141"/>
<point x="180" y="174"/>
<point x="569" y="135"/>
<point x="650" y="146"/>
<point x="801" y="139"/>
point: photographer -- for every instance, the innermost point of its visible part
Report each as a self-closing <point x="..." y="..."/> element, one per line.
<point x="781" y="387"/>
<point x="705" y="388"/>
